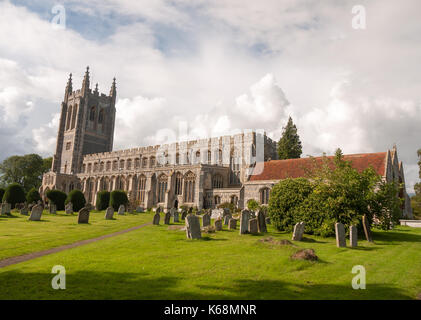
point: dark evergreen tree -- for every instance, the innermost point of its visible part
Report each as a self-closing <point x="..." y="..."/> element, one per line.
<point x="289" y="146"/>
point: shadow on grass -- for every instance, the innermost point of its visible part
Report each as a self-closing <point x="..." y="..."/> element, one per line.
<point x="10" y="216"/>
<point x="310" y="240"/>
<point x="388" y="237"/>
<point x="118" y="285"/>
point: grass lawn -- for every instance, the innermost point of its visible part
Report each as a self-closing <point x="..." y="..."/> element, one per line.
<point x="18" y="235"/>
<point x="156" y="263"/>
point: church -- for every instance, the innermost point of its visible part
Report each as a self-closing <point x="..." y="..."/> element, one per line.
<point x="200" y="173"/>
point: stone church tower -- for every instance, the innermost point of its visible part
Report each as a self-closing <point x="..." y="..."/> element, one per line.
<point x="86" y="125"/>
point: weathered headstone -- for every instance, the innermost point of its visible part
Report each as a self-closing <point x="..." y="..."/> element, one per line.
<point x="193" y="227"/>
<point x="244" y="221"/>
<point x="167" y="218"/>
<point x="261" y="222"/>
<point x="353" y="236"/>
<point x="140" y="209"/>
<point x="217" y="213"/>
<point x="121" y="209"/>
<point x="252" y="227"/>
<point x="69" y="208"/>
<point x="340" y="235"/>
<point x="227" y="219"/>
<point x="218" y="225"/>
<point x="156" y="219"/>
<point x="176" y="216"/>
<point x="6" y="208"/>
<point x="232" y="224"/>
<point x="367" y="230"/>
<point x="53" y="208"/>
<point x="109" y="213"/>
<point x="83" y="215"/>
<point x="36" y="213"/>
<point x="298" y="232"/>
<point x="183" y="214"/>
<point x="226" y="212"/>
<point x="24" y="211"/>
<point x="206" y="220"/>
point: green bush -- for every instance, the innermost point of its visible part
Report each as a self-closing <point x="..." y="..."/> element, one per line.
<point x="228" y="205"/>
<point x="57" y="197"/>
<point x="77" y="198"/>
<point x="33" y="196"/>
<point x="252" y="205"/>
<point x="117" y="198"/>
<point x="102" y="200"/>
<point x="14" y="194"/>
<point x="2" y="191"/>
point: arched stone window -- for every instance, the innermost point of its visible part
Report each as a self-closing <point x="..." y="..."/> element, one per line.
<point x="197" y="157"/>
<point x="74" y="117"/>
<point x="264" y="195"/>
<point x="108" y="166"/>
<point x="89" y="167"/>
<point x="235" y="161"/>
<point x="122" y="162"/>
<point x="234" y="200"/>
<point x="69" y="117"/>
<point x="177" y="159"/>
<point x="209" y="157"/>
<point x="84" y="168"/>
<point x="162" y="187"/>
<point x="189" y="187"/>
<point x="101" y="116"/>
<point x="129" y="164"/>
<point x="144" y="162"/>
<point x="141" y="187"/>
<point x="217" y="181"/>
<point x="101" y="166"/>
<point x="219" y="156"/>
<point x="151" y="162"/>
<point x="96" y="167"/>
<point x="137" y="163"/>
<point x="178" y="183"/>
<point x="115" y="165"/>
<point x="217" y="200"/>
<point x="92" y="114"/>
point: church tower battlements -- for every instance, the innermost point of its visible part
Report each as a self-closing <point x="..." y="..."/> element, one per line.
<point x="86" y="125"/>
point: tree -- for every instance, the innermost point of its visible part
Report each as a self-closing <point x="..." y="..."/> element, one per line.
<point x="117" y="198"/>
<point x="289" y="146"/>
<point x="77" y="198"/>
<point x="14" y="194"/>
<point x="25" y="170"/>
<point x="33" y="196"/>
<point x="416" y="199"/>
<point x="102" y="200"/>
<point x="57" y="197"/>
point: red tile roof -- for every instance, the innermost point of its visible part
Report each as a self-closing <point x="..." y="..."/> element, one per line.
<point x="295" y="168"/>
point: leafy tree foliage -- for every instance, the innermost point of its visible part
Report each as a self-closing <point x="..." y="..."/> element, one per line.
<point x="416" y="200"/>
<point x="33" y="196"/>
<point x="102" y="200"/>
<point x="253" y="205"/>
<point x="228" y="205"/>
<point x="77" y="198"/>
<point x="57" y="197"/>
<point x="289" y="146"/>
<point x="14" y="194"/>
<point x="2" y="191"/>
<point x="25" y="170"/>
<point x="117" y="198"/>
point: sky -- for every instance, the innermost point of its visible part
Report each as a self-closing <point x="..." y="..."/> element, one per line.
<point x="194" y="69"/>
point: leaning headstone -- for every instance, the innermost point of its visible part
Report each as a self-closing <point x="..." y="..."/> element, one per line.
<point x="167" y="218"/>
<point x="156" y="219"/>
<point x="183" y="214"/>
<point x="140" y="209"/>
<point x="193" y="227"/>
<point x="206" y="220"/>
<point x="252" y="227"/>
<point x="353" y="236"/>
<point x="109" y="213"/>
<point x="261" y="222"/>
<point x="218" y="225"/>
<point x="232" y="224"/>
<point x="227" y="219"/>
<point x="24" y="211"/>
<point x="121" y="209"/>
<point x="367" y="230"/>
<point x="244" y="221"/>
<point x="298" y="232"/>
<point x="175" y="216"/>
<point x="83" y="215"/>
<point x="53" y="208"/>
<point x="69" y="208"/>
<point x="36" y="213"/>
<point x="340" y="235"/>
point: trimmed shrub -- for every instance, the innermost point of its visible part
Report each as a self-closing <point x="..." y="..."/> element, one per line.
<point x="33" y="196"/>
<point x="57" y="197"/>
<point x="2" y="191"/>
<point x="77" y="198"/>
<point x="102" y="200"/>
<point x="14" y="194"/>
<point x="253" y="205"/>
<point x="117" y="198"/>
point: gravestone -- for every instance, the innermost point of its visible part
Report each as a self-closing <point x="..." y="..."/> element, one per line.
<point x="83" y="215"/>
<point x="6" y="208"/>
<point x="227" y="219"/>
<point x="24" y="211"/>
<point x="121" y="209"/>
<point x="167" y="218"/>
<point x="140" y="209"/>
<point x="252" y="227"/>
<point x="206" y="220"/>
<point x="244" y="221"/>
<point x="226" y="212"/>
<point x="156" y="219"/>
<point x="367" y="230"/>
<point x="36" y="213"/>
<point x="232" y="224"/>
<point x="190" y="210"/>
<point x="109" y="213"/>
<point x="218" y="225"/>
<point x="268" y="220"/>
<point x="158" y="210"/>
<point x="261" y="222"/>
<point x="53" y="208"/>
<point x="183" y="214"/>
<point x="298" y="232"/>
<point x="217" y="213"/>
<point x="176" y="215"/>
<point x="193" y="227"/>
<point x="340" y="235"/>
<point x="353" y="236"/>
<point x="69" y="208"/>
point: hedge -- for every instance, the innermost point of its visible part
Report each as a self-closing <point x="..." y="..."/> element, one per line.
<point x="33" y="196"/>
<point x="2" y="191"/>
<point x="57" y="197"/>
<point x="117" y="198"/>
<point x="77" y="198"/>
<point x="14" y="194"/>
<point x="102" y="200"/>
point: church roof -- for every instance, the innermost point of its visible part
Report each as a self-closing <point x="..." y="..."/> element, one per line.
<point x="296" y="168"/>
